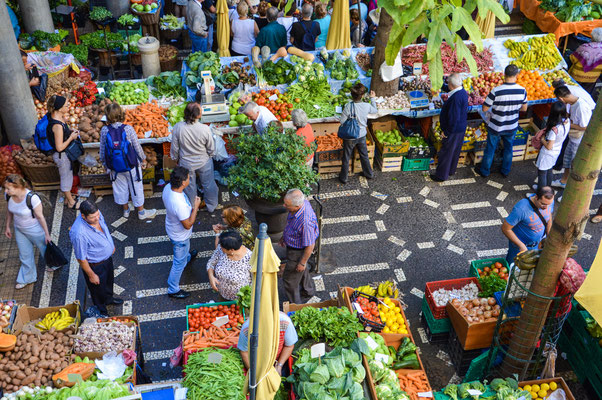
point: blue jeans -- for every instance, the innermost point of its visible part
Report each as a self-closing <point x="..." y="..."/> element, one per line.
<point x="26" y="239"/>
<point x="210" y="37"/>
<point x="493" y="140"/>
<point x="513" y="250"/>
<point x="199" y="43"/>
<point x="210" y="190"/>
<point x="181" y="256"/>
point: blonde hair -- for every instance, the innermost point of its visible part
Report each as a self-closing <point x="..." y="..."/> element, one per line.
<point x="233" y="215"/>
<point x="114" y="113"/>
<point x="17" y="180"/>
<point x="242" y="9"/>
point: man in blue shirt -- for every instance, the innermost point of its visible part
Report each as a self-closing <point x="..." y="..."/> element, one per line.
<point x="93" y="247"/>
<point x="529" y="221"/>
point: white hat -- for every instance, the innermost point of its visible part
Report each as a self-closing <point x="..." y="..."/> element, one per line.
<point x="375" y="15"/>
<point x="254" y="3"/>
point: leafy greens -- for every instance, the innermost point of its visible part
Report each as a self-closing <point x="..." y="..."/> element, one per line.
<point x="337" y="326"/>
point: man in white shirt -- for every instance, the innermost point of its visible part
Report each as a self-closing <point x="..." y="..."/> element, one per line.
<point x="577" y="91"/>
<point x="179" y="218"/>
<point x="580" y="114"/>
<point x="260" y="115"/>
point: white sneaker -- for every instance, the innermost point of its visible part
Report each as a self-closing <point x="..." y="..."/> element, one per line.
<point x="559" y="199"/>
<point x="126" y="213"/>
<point x="534" y="186"/>
<point x="557" y="183"/>
<point x="147" y="214"/>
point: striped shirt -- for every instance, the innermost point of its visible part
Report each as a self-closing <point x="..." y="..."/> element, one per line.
<point x="301" y="227"/>
<point x="578" y="73"/>
<point x="505" y="102"/>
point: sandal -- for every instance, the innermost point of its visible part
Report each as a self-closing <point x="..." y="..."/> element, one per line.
<point x="73" y="207"/>
<point x="596" y="219"/>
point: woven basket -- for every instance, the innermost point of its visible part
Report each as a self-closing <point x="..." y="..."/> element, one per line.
<point x="169" y="65"/>
<point x="168" y="34"/>
<point x="148" y="18"/>
<point x="105" y="58"/>
<point x="136" y="58"/>
<point x="46" y="174"/>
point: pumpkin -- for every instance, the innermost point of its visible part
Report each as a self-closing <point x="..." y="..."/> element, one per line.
<point x="7" y="342"/>
<point x="85" y="370"/>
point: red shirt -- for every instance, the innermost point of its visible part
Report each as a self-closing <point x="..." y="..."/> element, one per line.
<point x="308" y="134"/>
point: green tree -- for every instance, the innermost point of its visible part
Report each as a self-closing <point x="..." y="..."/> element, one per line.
<point x="438" y="21"/>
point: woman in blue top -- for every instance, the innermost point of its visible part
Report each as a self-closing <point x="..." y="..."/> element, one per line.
<point x="323" y="19"/>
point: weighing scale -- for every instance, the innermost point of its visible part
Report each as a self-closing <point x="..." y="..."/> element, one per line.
<point x="417" y="98"/>
<point x="213" y="105"/>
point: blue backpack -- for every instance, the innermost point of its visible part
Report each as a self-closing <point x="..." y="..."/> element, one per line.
<point x="120" y="155"/>
<point x="40" y="136"/>
<point x="309" y="39"/>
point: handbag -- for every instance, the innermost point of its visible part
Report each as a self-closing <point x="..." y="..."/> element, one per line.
<point x="209" y="18"/>
<point x="74" y="150"/>
<point x="350" y="129"/>
<point x="53" y="256"/>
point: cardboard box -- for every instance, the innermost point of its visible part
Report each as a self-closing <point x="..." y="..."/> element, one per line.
<point x="386" y="124"/>
<point x="338" y="302"/>
<point x="26" y="314"/>
<point x="94" y="355"/>
<point x="168" y="166"/>
<point x="324" y="128"/>
<point x="471" y="336"/>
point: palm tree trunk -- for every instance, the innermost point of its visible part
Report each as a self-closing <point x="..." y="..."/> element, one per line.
<point x="567" y="227"/>
<point x="385" y="23"/>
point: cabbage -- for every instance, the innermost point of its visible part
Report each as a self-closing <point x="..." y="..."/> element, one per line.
<point x="390" y="378"/>
<point x="336" y="368"/>
<point x="320" y="374"/>
<point x="359" y="373"/>
<point x="377" y="369"/>
<point x="383" y="392"/>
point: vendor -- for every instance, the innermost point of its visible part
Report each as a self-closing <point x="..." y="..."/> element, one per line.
<point x="286" y="342"/>
<point x="304" y="129"/>
<point x="260" y="116"/>
<point x="37" y="81"/>
<point x="197" y="25"/>
<point x="587" y="62"/>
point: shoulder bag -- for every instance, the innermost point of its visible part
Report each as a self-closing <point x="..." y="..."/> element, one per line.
<point x="350" y="129"/>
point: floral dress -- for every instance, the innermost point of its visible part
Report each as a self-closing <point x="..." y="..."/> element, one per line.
<point x="232" y="275"/>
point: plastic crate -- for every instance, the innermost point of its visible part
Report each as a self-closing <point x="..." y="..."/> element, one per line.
<point x="13" y="314"/>
<point x="459" y="357"/>
<point x="442" y="325"/>
<point x="201" y="305"/>
<point x="480" y="145"/>
<point x="476" y="370"/>
<point x="375" y="326"/>
<point x="420" y="152"/>
<point x="512" y="310"/>
<point x="524" y="277"/>
<point x="417" y="164"/>
<point x="329" y="155"/>
<point x="439" y="312"/>
<point x="487" y="262"/>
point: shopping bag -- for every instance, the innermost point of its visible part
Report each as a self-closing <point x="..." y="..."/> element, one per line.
<point x="54" y="256"/>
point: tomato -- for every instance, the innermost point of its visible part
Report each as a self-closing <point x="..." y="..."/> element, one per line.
<point x="262" y="91"/>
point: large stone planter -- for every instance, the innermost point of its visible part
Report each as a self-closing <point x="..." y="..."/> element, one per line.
<point x="272" y="214"/>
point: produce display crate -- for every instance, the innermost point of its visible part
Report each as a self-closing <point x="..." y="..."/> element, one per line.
<point x="96" y="355"/>
<point x="210" y="305"/>
<point x="45" y="174"/>
<point x="13" y="314"/>
<point x="416" y="164"/>
<point x="471" y="336"/>
<point x="168" y="166"/>
<point x="290" y="308"/>
<point x="369" y="325"/>
<point x="435" y="326"/>
<point x="324" y="128"/>
<point x="94" y="180"/>
<point x="329" y="155"/>
<point x="524" y="277"/>
<point x="26" y="314"/>
<point x="460" y="357"/>
<point x="463" y="159"/>
<point x="420" y="152"/>
<point x="386" y="124"/>
<point x="480" y="145"/>
<point x="107" y="190"/>
<point x="476" y="157"/>
<point x="148" y="174"/>
<point x="328" y="167"/>
<point x="531" y="152"/>
<point x="387" y="163"/>
<point x="512" y="310"/>
<point x="580" y="340"/>
<point x="518" y="152"/>
<point x="560" y="382"/>
<point x="440" y="312"/>
<point x="475" y="265"/>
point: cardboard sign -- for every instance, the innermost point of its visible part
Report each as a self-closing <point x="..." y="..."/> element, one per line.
<point x="381" y="357"/>
<point x="318" y="350"/>
<point x="371" y="343"/>
<point x="425" y="394"/>
<point x="214" y="358"/>
<point x="219" y="321"/>
<point x="358" y="308"/>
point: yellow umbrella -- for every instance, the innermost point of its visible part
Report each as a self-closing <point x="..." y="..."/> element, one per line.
<point x="267" y="378"/>
<point x="339" y="36"/>
<point x="589" y="294"/>
<point x="223" y="29"/>
<point x="487" y="25"/>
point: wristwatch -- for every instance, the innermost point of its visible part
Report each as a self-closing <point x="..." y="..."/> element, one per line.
<point x="279" y="364"/>
<point x="302" y="264"/>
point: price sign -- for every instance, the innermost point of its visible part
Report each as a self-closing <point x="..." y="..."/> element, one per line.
<point x="417" y="70"/>
<point x="474" y="392"/>
<point x="273" y="97"/>
<point x="318" y="350"/>
<point x="358" y="308"/>
<point x="381" y="357"/>
<point x="148" y="134"/>
<point x="100" y="90"/>
<point x="74" y="378"/>
<point x="317" y="106"/>
<point x="478" y="133"/>
<point x="425" y="394"/>
<point x="137" y="90"/>
<point x="338" y="109"/>
<point x="219" y="321"/>
<point x="103" y="118"/>
<point x="214" y="358"/>
<point x="379" y="100"/>
<point x="371" y="343"/>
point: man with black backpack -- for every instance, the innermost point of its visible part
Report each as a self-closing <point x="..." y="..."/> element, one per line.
<point x="123" y="157"/>
<point x="304" y="33"/>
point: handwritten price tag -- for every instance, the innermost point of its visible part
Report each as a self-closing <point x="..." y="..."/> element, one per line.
<point x="100" y="90"/>
<point x="317" y="106"/>
<point x="338" y="109"/>
<point x="381" y="357"/>
<point x="358" y="308"/>
<point x="273" y="97"/>
<point x="474" y="392"/>
<point x="371" y="343"/>
<point x="318" y="350"/>
<point x="214" y="358"/>
<point x="425" y="394"/>
<point x="219" y="321"/>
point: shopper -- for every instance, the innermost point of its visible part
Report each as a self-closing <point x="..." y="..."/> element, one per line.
<point x="244" y="30"/>
<point x="360" y="7"/>
<point x="323" y="19"/>
<point x="577" y="91"/>
<point x="262" y="10"/>
<point x="304" y="129"/>
<point x="121" y="151"/>
<point x="37" y="82"/>
<point x="273" y="35"/>
<point x="179" y="219"/>
<point x="529" y="222"/>
<point x="453" y="127"/>
<point x="93" y="248"/>
<point x="503" y="105"/>
<point x="179" y="8"/>
<point x="580" y="114"/>
<point x="210" y="19"/>
<point x="304" y="33"/>
<point x="229" y="268"/>
<point x="557" y="129"/>
<point x="299" y="238"/>
<point x="287" y="20"/>
<point x="192" y="146"/>
<point x="587" y="62"/>
<point x="358" y="28"/>
<point x="60" y="137"/>
<point x="359" y="110"/>
<point x="286" y="342"/>
<point x="26" y="213"/>
<point x="260" y="116"/>
<point x="197" y="25"/>
<point x="234" y="219"/>
<point x="232" y="13"/>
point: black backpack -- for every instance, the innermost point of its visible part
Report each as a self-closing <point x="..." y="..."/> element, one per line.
<point x="309" y="39"/>
<point x="28" y="201"/>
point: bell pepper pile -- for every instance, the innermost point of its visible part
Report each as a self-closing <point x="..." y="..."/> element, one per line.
<point x="86" y="94"/>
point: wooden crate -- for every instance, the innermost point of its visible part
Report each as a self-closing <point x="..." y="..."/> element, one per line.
<point x="518" y="152"/>
<point x="531" y="152"/>
<point x="559" y="382"/>
<point x="471" y="336"/>
<point x="476" y="157"/>
<point x="328" y="167"/>
<point x="42" y="187"/>
<point x="324" y="128"/>
<point x="386" y="124"/>
<point x="389" y="164"/>
<point x="463" y="159"/>
<point x="108" y="190"/>
<point x="338" y="302"/>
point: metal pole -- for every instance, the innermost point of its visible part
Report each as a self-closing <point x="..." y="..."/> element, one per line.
<point x="263" y="228"/>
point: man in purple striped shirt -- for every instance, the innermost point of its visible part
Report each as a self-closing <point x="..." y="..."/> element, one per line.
<point x="299" y="237"/>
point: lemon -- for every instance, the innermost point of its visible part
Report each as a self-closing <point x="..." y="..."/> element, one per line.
<point x="535" y="388"/>
<point x="553" y="386"/>
<point x="395" y="327"/>
<point x="386" y="329"/>
<point x="527" y="388"/>
<point x="397" y="310"/>
<point x="404" y="331"/>
<point x="542" y="393"/>
<point x="383" y="318"/>
<point x="400" y="319"/>
<point x="533" y="395"/>
<point x="545" y="386"/>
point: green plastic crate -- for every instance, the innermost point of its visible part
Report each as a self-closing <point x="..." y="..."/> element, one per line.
<point x="201" y="305"/>
<point x="416" y="164"/>
<point x="476" y="371"/>
<point x="480" y="264"/>
<point x="132" y="32"/>
<point x="435" y="325"/>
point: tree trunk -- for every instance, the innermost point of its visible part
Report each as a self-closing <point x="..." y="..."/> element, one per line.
<point x="567" y="227"/>
<point x="381" y="88"/>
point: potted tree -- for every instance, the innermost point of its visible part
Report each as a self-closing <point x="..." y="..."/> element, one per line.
<point x="268" y="166"/>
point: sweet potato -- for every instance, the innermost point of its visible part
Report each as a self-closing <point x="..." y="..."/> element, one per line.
<point x="28" y="380"/>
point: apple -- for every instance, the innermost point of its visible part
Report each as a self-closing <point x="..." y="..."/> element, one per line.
<point x="147" y="8"/>
<point x="139" y="7"/>
<point x="154" y="5"/>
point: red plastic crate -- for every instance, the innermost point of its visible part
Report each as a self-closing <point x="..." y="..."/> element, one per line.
<point x="439" y="312"/>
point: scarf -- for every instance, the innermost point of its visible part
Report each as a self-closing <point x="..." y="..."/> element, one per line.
<point x="589" y="55"/>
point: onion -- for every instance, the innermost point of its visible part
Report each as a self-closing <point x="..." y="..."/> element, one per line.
<point x="484" y="301"/>
<point x="487" y="308"/>
<point x="491" y="301"/>
<point x="72" y="120"/>
<point x="495" y="313"/>
<point x="487" y="314"/>
<point x="476" y="302"/>
<point x="479" y="312"/>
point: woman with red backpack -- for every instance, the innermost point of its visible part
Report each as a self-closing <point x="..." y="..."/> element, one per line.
<point x="550" y="141"/>
<point x="124" y="159"/>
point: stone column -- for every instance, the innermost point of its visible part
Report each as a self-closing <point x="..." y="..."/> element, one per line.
<point x="36" y="15"/>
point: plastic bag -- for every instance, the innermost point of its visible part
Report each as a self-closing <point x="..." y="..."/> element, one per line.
<point x="88" y="160"/>
<point x="572" y="275"/>
<point x="53" y="256"/>
<point x="220" y="146"/>
<point x="388" y="72"/>
<point x="112" y="366"/>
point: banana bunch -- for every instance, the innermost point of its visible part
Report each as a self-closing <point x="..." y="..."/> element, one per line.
<point x="387" y="289"/>
<point x="57" y="319"/>
<point x="516" y="48"/>
<point x="528" y="259"/>
<point x="542" y="41"/>
<point x="367" y="289"/>
<point x="536" y="53"/>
